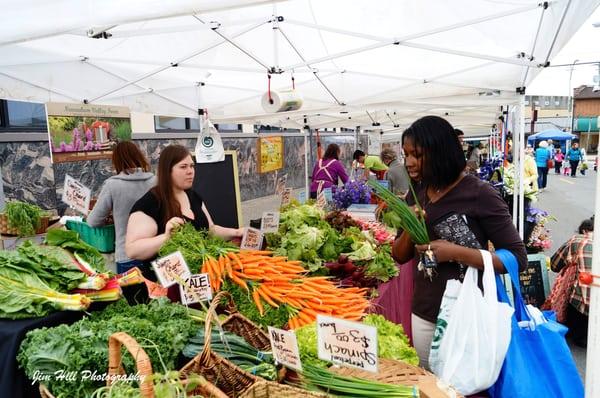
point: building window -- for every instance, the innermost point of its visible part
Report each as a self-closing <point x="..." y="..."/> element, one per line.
<point x="526" y="102"/>
<point x="547" y="103"/>
<point x="228" y="127"/>
<point x="536" y="103"/>
<point x="22" y="116"/>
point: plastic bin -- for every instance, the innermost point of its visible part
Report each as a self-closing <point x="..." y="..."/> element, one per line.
<point x="102" y="238"/>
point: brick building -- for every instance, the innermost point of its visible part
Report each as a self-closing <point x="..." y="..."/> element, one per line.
<point x="586" y="109"/>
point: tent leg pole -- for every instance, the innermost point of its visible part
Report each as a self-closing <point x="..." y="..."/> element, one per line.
<point x="592" y="376"/>
<point x="521" y="149"/>
<point x="306" y="149"/>
<point x="516" y="162"/>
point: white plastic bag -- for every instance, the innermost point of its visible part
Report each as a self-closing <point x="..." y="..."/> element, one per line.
<point x="472" y="333"/>
<point x="209" y="147"/>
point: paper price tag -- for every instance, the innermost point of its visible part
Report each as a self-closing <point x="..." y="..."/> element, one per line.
<point x="171" y="269"/>
<point x="76" y="195"/>
<point x="270" y="222"/>
<point x="252" y="239"/>
<point x="285" y="348"/>
<point x="347" y="343"/>
<point x="195" y="289"/>
<point x="286" y="197"/>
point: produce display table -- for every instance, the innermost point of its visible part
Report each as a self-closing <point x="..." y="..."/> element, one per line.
<point x="394" y="300"/>
<point x="13" y="381"/>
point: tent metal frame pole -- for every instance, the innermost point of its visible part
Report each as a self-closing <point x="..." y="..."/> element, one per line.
<point x="592" y="374"/>
<point x="560" y="24"/>
<point x="185" y="65"/>
<point x="306" y="165"/>
<point x="149" y="90"/>
<point x="420" y="34"/>
<point x="401" y="40"/>
<point x="422" y="81"/>
<point x="254" y="96"/>
<point x="532" y="52"/>
<point x="174" y="63"/>
<point x="231" y="41"/>
<point x="521" y="179"/>
<point x="121" y="34"/>
<point x="315" y="72"/>
<point x="516" y="163"/>
<point x="40" y="86"/>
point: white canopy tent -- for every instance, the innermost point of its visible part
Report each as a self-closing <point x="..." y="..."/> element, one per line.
<point x="356" y="63"/>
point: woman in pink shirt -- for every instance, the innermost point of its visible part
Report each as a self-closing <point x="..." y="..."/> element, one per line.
<point x="328" y="171"/>
<point x="559" y="157"/>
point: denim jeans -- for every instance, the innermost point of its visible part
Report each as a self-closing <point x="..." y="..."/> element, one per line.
<point x="124" y="266"/>
<point x="542" y="177"/>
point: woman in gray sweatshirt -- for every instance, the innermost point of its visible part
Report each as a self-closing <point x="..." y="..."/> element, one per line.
<point x="119" y="194"/>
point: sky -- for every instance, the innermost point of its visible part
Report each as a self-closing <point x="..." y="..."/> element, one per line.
<point x="583" y="46"/>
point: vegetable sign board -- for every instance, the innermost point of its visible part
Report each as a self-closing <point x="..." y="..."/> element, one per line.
<point x="286" y="197"/>
<point x="195" y="289"/>
<point x="347" y="343"/>
<point x="270" y="154"/>
<point x="285" y="348"/>
<point x="252" y="239"/>
<point x="534" y="280"/>
<point x="270" y="222"/>
<point x="76" y="195"/>
<point x="171" y="269"/>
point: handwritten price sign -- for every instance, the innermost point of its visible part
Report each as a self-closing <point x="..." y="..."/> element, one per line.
<point x="252" y="239"/>
<point x="76" y="195"/>
<point x="171" y="269"/>
<point x="286" y="197"/>
<point x="347" y="343"/>
<point x="270" y="222"/>
<point x="195" y="289"/>
<point x="285" y="348"/>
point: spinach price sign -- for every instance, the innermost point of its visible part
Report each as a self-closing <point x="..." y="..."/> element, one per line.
<point x="347" y="343"/>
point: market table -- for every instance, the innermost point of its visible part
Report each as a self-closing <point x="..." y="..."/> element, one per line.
<point x="13" y="381"/>
<point x="395" y="298"/>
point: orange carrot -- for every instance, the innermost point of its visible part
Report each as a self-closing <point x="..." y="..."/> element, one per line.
<point x="265" y="296"/>
<point x="239" y="281"/>
<point x="256" y="298"/>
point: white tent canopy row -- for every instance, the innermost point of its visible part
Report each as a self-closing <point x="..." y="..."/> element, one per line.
<point x="355" y="63"/>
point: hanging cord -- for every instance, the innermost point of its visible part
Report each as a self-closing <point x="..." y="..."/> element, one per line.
<point x="293" y="82"/>
<point x="269" y="90"/>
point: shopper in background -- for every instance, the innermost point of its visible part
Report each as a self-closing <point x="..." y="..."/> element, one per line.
<point x="583" y="166"/>
<point x="574" y="156"/>
<point x="460" y="135"/>
<point x="119" y="193"/>
<point x="530" y="168"/>
<point x="569" y="298"/>
<point x="371" y="164"/>
<point x="475" y="155"/>
<point x="396" y="174"/>
<point x="559" y="157"/>
<point x="171" y="203"/>
<point x="542" y="156"/>
<point x="328" y="171"/>
<point x="435" y="164"/>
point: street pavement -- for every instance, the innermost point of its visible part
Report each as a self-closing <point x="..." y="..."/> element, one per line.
<point x="570" y="201"/>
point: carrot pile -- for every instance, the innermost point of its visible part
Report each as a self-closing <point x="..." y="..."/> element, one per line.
<point x="278" y="281"/>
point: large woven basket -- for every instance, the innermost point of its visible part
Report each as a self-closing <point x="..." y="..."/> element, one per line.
<point x="266" y="389"/>
<point x="398" y="372"/>
<point x="228" y="377"/>
<point x="6" y="230"/>
<point x="143" y="366"/>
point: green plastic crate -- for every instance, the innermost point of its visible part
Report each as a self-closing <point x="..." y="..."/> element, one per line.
<point x="102" y="238"/>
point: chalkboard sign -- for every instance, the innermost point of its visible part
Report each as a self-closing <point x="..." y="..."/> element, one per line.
<point x="535" y="286"/>
<point x="218" y="185"/>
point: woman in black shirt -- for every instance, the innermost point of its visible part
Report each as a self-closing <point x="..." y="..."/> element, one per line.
<point x="171" y="203"/>
<point x="435" y="164"/>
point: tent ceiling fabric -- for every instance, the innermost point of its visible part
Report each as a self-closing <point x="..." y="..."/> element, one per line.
<point x="396" y="60"/>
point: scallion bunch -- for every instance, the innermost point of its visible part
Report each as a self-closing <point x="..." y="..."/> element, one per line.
<point x="345" y="386"/>
<point x="415" y="226"/>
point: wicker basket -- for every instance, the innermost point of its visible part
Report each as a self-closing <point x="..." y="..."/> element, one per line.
<point x="266" y="389"/>
<point x="228" y="377"/>
<point x="398" y="372"/>
<point x="143" y="366"/>
<point x="5" y="230"/>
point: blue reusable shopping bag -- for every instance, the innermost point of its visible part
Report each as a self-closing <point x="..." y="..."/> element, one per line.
<point x="539" y="362"/>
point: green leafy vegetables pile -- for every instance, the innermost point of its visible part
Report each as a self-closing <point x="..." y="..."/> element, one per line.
<point x="24" y="217"/>
<point x="84" y="344"/>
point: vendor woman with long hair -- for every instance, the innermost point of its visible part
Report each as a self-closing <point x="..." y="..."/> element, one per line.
<point x="171" y="203"/>
<point x="435" y="163"/>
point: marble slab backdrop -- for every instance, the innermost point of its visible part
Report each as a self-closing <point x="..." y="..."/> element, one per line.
<point x="27" y="173"/>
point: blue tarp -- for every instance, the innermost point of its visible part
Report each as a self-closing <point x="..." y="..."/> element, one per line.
<point x="552" y="134"/>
